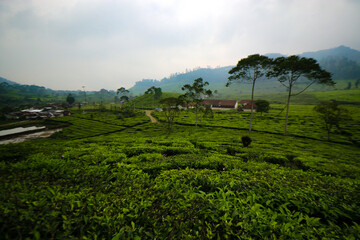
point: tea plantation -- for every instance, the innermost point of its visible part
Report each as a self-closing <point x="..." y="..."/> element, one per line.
<point x="108" y="178"/>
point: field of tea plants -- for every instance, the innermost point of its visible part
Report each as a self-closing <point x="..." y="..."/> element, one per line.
<point x="95" y="124"/>
<point x="110" y="178"/>
<point x="303" y="122"/>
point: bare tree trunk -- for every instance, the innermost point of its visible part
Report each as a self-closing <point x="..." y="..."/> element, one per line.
<point x="328" y="128"/>
<point x="252" y="104"/>
<point x="287" y="110"/>
<point x="196" y="113"/>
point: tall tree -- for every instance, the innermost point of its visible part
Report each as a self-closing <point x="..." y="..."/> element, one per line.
<point x="124" y="98"/>
<point x="122" y="92"/>
<point x="170" y="110"/>
<point x="288" y="70"/>
<point x="331" y="115"/>
<point x="249" y="70"/>
<point x="70" y="99"/>
<point x="195" y="94"/>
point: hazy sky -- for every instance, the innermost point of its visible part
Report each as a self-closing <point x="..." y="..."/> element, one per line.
<point x="65" y="44"/>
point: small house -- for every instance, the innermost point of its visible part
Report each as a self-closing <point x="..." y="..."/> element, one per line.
<point x="246" y="104"/>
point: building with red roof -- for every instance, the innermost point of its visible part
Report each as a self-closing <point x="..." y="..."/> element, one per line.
<point x="221" y="104"/>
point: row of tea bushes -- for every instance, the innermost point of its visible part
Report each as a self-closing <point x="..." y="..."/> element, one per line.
<point x="196" y="183"/>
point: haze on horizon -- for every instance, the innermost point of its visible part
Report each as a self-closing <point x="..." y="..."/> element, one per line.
<point x="108" y="44"/>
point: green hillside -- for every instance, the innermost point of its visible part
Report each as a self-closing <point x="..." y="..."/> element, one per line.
<point x="148" y="100"/>
<point x="110" y="178"/>
<point x="314" y="97"/>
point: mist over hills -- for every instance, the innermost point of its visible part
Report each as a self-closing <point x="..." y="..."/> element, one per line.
<point x="343" y="62"/>
<point x="338" y="52"/>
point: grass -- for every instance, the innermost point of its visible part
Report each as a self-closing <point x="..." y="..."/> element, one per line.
<point x="110" y="178"/>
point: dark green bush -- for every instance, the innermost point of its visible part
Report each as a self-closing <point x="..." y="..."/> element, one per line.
<point x="246" y="140"/>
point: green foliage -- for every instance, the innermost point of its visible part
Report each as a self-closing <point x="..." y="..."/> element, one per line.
<point x="126" y="112"/>
<point x="147" y="101"/>
<point x="123" y="95"/>
<point x="288" y="71"/>
<point x="112" y="178"/>
<point x="208" y="112"/>
<point x="246" y="140"/>
<point x="331" y="115"/>
<point x="249" y="70"/>
<point x="170" y="110"/>
<point x="262" y="106"/>
<point x="70" y="99"/>
<point x="154" y="90"/>
<point x="122" y="91"/>
<point x="195" y="93"/>
<point x="124" y="98"/>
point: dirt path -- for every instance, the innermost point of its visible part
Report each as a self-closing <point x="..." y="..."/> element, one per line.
<point x="148" y="113"/>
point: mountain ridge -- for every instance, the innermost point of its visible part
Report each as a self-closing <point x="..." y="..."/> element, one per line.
<point x="7" y="81"/>
<point x="343" y="62"/>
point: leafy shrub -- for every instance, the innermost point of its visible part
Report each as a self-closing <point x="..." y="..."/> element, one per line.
<point x="150" y="157"/>
<point x="286" y="161"/>
<point x="246" y="140"/>
<point x="231" y="150"/>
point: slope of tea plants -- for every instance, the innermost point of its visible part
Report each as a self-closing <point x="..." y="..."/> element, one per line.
<point x="94" y="124"/>
<point x="196" y="183"/>
<point x="303" y="122"/>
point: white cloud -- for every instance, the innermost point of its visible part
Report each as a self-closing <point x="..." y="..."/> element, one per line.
<point x="107" y="44"/>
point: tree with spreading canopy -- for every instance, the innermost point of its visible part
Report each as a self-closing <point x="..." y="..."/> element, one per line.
<point x="123" y="95"/>
<point x="249" y="70"/>
<point x="122" y="91"/>
<point x="288" y="70"/>
<point x="331" y="115"/>
<point x="195" y="93"/>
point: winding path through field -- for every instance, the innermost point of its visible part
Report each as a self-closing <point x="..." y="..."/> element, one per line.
<point x="148" y="113"/>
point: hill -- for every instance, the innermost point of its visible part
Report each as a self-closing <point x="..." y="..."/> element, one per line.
<point x="14" y="95"/>
<point x="342" y="62"/>
<point x="148" y="100"/>
<point x="4" y="80"/>
<point x="216" y="77"/>
<point x="338" y="52"/>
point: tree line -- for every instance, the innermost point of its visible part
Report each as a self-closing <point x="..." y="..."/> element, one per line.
<point x="289" y="71"/>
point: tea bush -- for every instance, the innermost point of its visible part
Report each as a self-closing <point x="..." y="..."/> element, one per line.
<point x="105" y="180"/>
